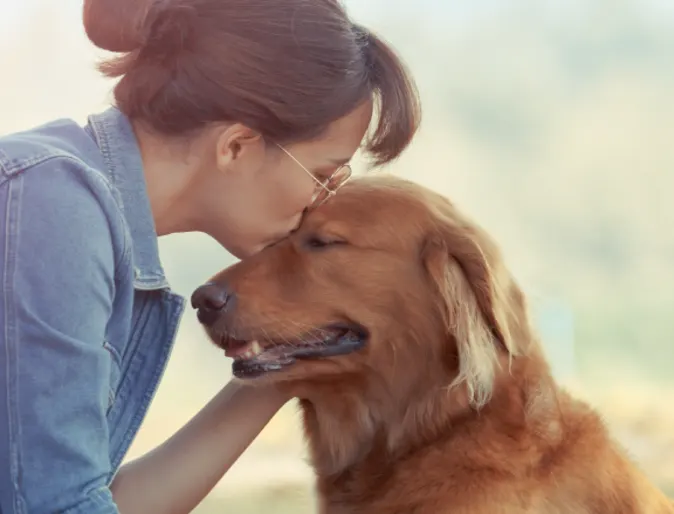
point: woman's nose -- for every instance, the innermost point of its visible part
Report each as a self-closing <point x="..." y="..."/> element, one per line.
<point x="297" y="221"/>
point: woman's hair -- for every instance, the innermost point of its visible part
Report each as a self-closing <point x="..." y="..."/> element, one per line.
<point x="285" y="68"/>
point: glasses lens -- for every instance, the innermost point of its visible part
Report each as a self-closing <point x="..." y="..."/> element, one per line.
<point x="339" y="177"/>
<point x="330" y="186"/>
<point x="320" y="196"/>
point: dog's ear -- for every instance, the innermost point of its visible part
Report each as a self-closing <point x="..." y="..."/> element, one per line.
<point x="467" y="271"/>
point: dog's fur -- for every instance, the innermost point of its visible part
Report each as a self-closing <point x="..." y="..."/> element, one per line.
<point x="450" y="407"/>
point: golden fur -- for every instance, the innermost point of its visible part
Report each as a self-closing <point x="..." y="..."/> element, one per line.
<point x="450" y="408"/>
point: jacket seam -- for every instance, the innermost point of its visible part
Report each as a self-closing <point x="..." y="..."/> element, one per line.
<point x="13" y="213"/>
<point x="97" y="499"/>
<point x="149" y="393"/>
<point x="17" y="166"/>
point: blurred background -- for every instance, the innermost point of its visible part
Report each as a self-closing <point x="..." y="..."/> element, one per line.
<point x="549" y="121"/>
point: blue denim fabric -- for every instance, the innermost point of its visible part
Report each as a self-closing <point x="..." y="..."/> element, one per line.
<point x="87" y="319"/>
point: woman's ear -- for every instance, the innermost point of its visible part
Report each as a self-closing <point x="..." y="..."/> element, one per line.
<point x="239" y="147"/>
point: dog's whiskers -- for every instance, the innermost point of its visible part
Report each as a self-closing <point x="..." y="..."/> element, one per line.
<point x="307" y="333"/>
<point x="289" y="332"/>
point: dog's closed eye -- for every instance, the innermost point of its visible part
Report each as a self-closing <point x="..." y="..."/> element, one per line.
<point x="316" y="242"/>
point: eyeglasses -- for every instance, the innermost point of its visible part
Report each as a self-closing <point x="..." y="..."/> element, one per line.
<point x="324" y="188"/>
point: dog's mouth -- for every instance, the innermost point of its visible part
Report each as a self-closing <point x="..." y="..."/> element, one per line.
<point x="254" y="357"/>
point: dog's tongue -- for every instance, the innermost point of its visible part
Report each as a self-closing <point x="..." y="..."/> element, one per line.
<point x="247" y="350"/>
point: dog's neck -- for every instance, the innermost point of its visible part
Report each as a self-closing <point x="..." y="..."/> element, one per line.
<point x="349" y="427"/>
<point x="346" y="426"/>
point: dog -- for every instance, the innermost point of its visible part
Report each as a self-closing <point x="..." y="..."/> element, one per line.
<point x="424" y="388"/>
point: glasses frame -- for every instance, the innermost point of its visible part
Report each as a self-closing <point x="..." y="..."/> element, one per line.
<point x="323" y="185"/>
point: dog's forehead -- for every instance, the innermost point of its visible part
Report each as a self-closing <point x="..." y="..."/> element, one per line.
<point x="381" y="211"/>
<point x="384" y="197"/>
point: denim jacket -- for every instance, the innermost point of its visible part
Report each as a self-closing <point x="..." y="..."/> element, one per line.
<point x="87" y="319"/>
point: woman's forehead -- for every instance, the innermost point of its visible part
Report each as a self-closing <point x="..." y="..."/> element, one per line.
<point x="341" y="139"/>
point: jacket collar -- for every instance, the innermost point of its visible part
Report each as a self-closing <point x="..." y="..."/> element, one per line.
<point x="118" y="144"/>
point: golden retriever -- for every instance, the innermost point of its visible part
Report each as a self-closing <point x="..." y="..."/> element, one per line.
<point x="423" y="386"/>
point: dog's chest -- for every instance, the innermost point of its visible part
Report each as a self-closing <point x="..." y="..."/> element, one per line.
<point x="376" y="493"/>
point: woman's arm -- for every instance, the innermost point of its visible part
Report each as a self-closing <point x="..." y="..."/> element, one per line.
<point x="176" y="476"/>
<point x="57" y="264"/>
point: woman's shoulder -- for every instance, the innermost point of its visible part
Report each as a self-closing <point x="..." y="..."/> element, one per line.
<point x="56" y="170"/>
<point x="57" y="151"/>
<point x="56" y="142"/>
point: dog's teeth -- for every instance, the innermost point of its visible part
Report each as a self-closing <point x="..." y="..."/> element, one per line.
<point x="255" y="347"/>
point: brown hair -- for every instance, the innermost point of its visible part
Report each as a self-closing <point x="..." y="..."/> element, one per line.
<point x="285" y="68"/>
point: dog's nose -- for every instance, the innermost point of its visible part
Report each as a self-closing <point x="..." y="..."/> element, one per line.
<point x="210" y="300"/>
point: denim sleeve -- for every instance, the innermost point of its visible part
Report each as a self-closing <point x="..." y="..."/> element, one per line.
<point x="57" y="266"/>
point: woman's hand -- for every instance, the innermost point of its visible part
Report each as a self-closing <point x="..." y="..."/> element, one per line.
<point x="176" y="476"/>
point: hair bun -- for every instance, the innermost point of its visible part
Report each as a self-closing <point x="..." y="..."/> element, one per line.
<point x="113" y="24"/>
<point x="168" y="29"/>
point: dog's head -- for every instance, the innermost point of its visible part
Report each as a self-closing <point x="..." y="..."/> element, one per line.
<point x="386" y="285"/>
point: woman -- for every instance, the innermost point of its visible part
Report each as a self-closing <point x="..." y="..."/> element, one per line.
<point x="232" y="117"/>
